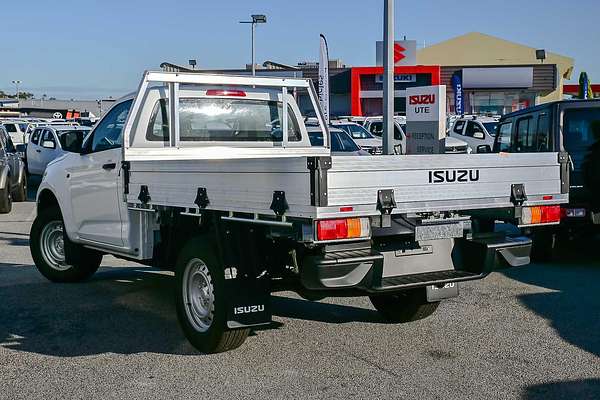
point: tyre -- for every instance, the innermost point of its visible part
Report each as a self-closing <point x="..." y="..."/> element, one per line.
<point x="5" y="201"/>
<point x="20" y="194"/>
<point x="47" y="244"/>
<point x="407" y="306"/>
<point x="200" y="298"/>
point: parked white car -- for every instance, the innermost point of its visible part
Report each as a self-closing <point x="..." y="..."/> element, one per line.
<point x="365" y="139"/>
<point x="16" y="130"/>
<point x="375" y="126"/>
<point x="50" y="142"/>
<point x="475" y="131"/>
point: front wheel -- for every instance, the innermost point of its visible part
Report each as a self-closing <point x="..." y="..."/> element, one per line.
<point x="47" y="244"/>
<point x="406" y="306"/>
<point x="200" y="299"/>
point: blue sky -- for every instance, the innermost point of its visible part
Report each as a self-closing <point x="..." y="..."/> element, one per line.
<point x="89" y="49"/>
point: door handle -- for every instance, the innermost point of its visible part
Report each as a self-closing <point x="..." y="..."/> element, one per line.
<point x="109" y="166"/>
<point x="38" y="151"/>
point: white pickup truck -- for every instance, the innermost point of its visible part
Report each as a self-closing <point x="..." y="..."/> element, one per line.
<point x="214" y="177"/>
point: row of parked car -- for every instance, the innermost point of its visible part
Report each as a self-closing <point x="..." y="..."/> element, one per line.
<point x="27" y="146"/>
<point x="466" y="134"/>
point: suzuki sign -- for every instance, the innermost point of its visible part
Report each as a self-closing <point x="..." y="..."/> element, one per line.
<point x="405" y="52"/>
<point x="425" y="119"/>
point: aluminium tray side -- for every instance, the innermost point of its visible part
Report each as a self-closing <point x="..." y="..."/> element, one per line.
<point x="488" y="181"/>
<point x="243" y="185"/>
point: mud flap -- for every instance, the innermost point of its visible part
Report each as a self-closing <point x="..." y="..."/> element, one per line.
<point x="490" y="252"/>
<point x="249" y="301"/>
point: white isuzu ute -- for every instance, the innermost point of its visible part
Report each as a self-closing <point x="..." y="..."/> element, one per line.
<point x="214" y="177"/>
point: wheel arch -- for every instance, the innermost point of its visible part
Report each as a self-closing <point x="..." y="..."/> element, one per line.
<point x="45" y="200"/>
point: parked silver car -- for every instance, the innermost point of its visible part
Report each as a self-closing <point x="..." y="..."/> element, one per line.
<point x="341" y="143"/>
<point x="50" y="142"/>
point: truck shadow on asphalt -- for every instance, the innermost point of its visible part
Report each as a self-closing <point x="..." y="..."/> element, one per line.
<point x="120" y="310"/>
<point x="573" y="305"/>
<point x="579" y="389"/>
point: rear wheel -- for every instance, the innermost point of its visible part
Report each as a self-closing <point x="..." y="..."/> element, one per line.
<point x="200" y="299"/>
<point x="407" y="306"/>
<point x="47" y="244"/>
<point x="20" y="193"/>
<point x="5" y="201"/>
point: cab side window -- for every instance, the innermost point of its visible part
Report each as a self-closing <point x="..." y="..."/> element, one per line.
<point x="543" y="137"/>
<point x="109" y="132"/>
<point x="474" y="130"/>
<point x="10" y="147"/>
<point x="36" y="136"/>
<point x="504" y="139"/>
<point x="525" y="135"/>
<point x="458" y="127"/>
<point x="48" y="136"/>
<point x="376" y="128"/>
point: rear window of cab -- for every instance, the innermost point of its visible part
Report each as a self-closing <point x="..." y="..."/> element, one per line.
<point x="224" y="120"/>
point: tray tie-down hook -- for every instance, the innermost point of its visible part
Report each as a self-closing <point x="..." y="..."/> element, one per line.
<point x="279" y="204"/>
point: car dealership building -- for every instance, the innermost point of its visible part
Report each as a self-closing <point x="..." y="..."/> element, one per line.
<point x="497" y="77"/>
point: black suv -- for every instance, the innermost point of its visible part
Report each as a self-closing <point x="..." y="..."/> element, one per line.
<point x="571" y="126"/>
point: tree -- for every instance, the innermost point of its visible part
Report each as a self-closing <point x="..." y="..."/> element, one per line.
<point x="22" y="95"/>
<point x="25" y="95"/>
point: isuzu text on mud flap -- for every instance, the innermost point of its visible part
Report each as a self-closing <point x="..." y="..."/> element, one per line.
<point x="202" y="174"/>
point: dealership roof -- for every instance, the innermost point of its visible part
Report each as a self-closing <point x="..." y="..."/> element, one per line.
<point x="478" y="49"/>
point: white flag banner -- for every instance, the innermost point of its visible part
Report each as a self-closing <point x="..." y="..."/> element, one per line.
<point x="323" y="89"/>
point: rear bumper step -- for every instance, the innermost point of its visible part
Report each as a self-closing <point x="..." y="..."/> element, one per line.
<point x="363" y="269"/>
<point x="426" y="279"/>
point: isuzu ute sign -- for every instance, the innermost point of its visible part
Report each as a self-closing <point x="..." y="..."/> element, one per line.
<point x="425" y="119"/>
<point x="422" y="99"/>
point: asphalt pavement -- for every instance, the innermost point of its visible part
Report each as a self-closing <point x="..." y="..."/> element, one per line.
<point x="531" y="332"/>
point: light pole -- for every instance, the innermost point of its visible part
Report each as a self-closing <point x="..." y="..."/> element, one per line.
<point x="388" y="77"/>
<point x="17" y="83"/>
<point x="256" y="19"/>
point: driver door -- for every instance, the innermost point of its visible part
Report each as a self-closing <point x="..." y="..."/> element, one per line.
<point x="93" y="180"/>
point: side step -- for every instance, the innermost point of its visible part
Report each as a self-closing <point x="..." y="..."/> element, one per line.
<point x="426" y="279"/>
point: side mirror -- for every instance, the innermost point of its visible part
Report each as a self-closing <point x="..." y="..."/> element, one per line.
<point x="479" y="135"/>
<point x="484" y="148"/>
<point x="48" y="144"/>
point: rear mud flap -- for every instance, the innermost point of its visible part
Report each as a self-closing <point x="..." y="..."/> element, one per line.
<point x="249" y="302"/>
<point x="491" y="252"/>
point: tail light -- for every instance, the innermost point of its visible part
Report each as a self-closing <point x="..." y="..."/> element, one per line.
<point x="540" y="215"/>
<point x="345" y="228"/>
<point x="227" y="93"/>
